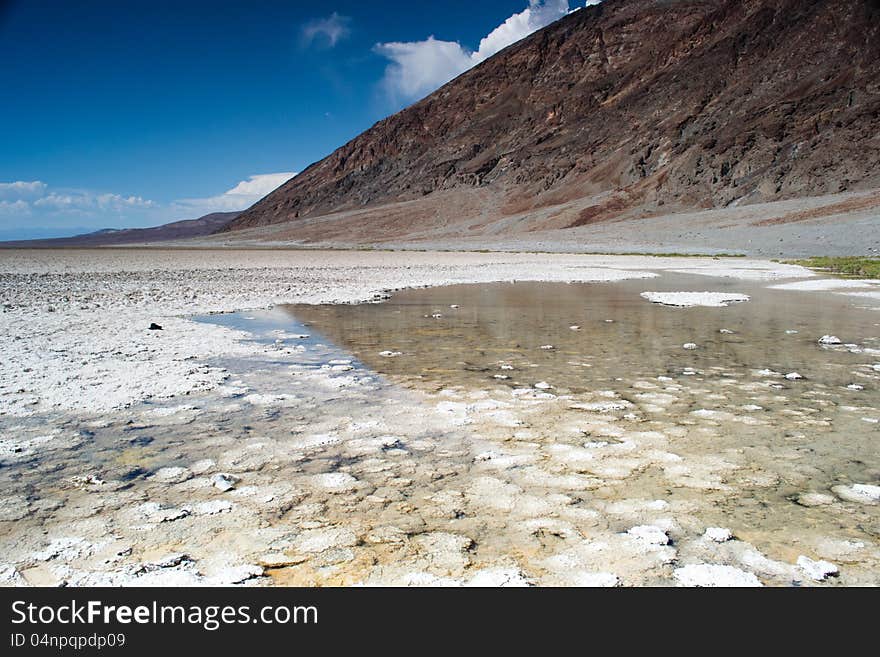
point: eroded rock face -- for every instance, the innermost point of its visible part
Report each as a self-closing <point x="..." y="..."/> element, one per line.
<point x="681" y="104"/>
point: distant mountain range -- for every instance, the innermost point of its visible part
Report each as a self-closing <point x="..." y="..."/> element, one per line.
<point x="177" y="230"/>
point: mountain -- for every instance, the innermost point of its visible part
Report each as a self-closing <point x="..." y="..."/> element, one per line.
<point x="177" y="230"/>
<point x="627" y="109"/>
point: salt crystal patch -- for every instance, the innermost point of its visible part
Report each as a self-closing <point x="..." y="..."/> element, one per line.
<point x="718" y="534"/>
<point x="814" y="499"/>
<point x="172" y="475"/>
<point x="212" y="508"/>
<point x="317" y="440"/>
<point x="713" y="575"/>
<point x="427" y="579"/>
<point x="237" y="574"/>
<point x="692" y="299"/>
<point x="816" y="570"/>
<point x="203" y="466"/>
<point x="318" y="540"/>
<point x="334" y="481"/>
<point x="650" y="534"/>
<point x="859" y="493"/>
<point x="499" y="577"/>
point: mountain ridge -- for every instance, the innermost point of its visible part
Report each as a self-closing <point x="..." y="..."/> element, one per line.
<point x="176" y="230"/>
<point x="623" y="109"/>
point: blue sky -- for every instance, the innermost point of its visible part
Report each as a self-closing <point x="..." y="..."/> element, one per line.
<point x="119" y="114"/>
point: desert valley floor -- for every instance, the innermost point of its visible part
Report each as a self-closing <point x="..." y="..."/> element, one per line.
<point x="428" y="418"/>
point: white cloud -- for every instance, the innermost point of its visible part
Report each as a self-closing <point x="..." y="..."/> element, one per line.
<point x="419" y="67"/>
<point x="325" y="32"/>
<point x="90" y="201"/>
<point x="537" y="15"/>
<point x="14" y="208"/>
<point x="24" y="198"/>
<point x="49" y="207"/>
<point x="243" y="195"/>
<point x="22" y="189"/>
<point x="35" y="209"/>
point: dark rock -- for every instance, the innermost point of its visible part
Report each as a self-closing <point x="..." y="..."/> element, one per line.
<point x="155" y="327"/>
<point x="130" y="473"/>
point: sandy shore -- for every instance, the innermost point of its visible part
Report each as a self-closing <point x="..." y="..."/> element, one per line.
<point x="194" y="455"/>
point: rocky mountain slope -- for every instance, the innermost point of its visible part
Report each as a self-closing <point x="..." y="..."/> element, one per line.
<point x="631" y="108"/>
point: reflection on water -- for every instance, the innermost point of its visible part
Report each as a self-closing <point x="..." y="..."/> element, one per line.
<point x="621" y="336"/>
<point x="727" y="400"/>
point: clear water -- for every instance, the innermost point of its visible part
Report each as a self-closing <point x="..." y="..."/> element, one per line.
<point x="808" y="435"/>
<point x="621" y="336"/>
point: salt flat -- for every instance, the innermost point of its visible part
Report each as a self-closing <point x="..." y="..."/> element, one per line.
<point x="74" y="321"/>
<point x="252" y="452"/>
